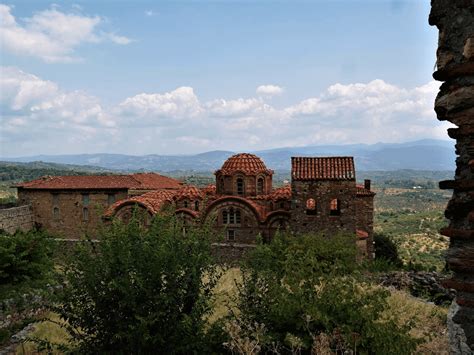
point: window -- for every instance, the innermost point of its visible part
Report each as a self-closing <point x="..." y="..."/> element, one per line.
<point x="282" y="205"/>
<point x="56" y="212"/>
<point x="85" y="200"/>
<point x="196" y="205"/>
<point x="85" y="214"/>
<point x="110" y="199"/>
<point x="221" y="185"/>
<point x="231" y="216"/>
<point x="260" y="186"/>
<point x="335" y="209"/>
<point x="186" y="204"/>
<point x="240" y="186"/>
<point x="230" y="235"/>
<point x="311" y="206"/>
<point x="55" y="199"/>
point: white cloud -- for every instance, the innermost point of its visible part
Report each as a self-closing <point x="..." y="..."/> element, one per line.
<point x="149" y="13"/>
<point x="269" y="90"/>
<point x="51" y="35"/>
<point x="38" y="116"/>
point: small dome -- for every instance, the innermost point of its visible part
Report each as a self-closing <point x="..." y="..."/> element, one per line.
<point x="246" y="163"/>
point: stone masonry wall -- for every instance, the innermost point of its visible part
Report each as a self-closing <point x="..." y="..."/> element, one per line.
<point x="365" y="220"/>
<point x="455" y="103"/>
<point x="69" y="223"/>
<point x="323" y="192"/>
<point x="16" y="218"/>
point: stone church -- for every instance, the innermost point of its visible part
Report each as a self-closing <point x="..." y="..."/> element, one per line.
<point x="323" y="197"/>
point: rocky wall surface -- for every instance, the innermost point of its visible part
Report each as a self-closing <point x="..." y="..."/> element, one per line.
<point x="455" y="103"/>
<point x="16" y="218"/>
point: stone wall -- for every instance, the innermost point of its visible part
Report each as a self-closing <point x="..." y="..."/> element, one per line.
<point x="455" y="103"/>
<point x="69" y="219"/>
<point x="321" y="220"/>
<point x="12" y="219"/>
<point x="365" y="220"/>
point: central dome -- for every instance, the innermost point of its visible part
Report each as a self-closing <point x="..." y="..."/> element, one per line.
<point x="245" y="163"/>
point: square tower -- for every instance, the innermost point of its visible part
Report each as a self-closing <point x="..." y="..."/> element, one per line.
<point x="323" y="195"/>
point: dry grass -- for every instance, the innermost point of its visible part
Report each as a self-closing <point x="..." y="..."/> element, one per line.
<point x="224" y="293"/>
<point x="430" y="321"/>
<point x="45" y="330"/>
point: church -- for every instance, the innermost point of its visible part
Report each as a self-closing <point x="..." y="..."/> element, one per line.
<point x="323" y="198"/>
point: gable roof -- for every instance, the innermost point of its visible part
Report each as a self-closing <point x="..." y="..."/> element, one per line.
<point x="143" y="181"/>
<point x="322" y="168"/>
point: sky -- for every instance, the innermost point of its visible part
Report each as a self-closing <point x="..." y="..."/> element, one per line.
<point x="183" y="77"/>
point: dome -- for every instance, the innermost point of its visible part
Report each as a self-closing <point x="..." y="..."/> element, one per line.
<point x="246" y="163"/>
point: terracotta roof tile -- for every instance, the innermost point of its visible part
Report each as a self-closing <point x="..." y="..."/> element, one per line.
<point x="144" y="181"/>
<point x="361" y="234"/>
<point x="246" y="163"/>
<point x="209" y="189"/>
<point x="154" y="201"/>
<point x="190" y="192"/>
<point x="327" y="168"/>
<point x="281" y="193"/>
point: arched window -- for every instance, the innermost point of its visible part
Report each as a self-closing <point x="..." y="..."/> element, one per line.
<point x="335" y="208"/>
<point x="56" y="212"/>
<point x="225" y="217"/>
<point x="85" y="214"/>
<point x="237" y="217"/>
<point x="186" y="204"/>
<point x="240" y="186"/>
<point x="231" y="216"/>
<point x="311" y="206"/>
<point x="260" y="186"/>
<point x="221" y="185"/>
<point x="196" y="205"/>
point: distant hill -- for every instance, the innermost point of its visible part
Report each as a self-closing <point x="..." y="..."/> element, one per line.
<point x="11" y="172"/>
<point x="428" y="154"/>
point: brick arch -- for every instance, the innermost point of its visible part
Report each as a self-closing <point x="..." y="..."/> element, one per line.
<point x="130" y="203"/>
<point x="277" y="215"/>
<point x="233" y="201"/>
<point x="187" y="212"/>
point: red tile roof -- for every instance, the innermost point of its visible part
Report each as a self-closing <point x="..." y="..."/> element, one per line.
<point x="362" y="191"/>
<point x="327" y="168"/>
<point x="246" y="163"/>
<point x="281" y="193"/>
<point x="361" y="234"/>
<point x="153" y="201"/>
<point x="190" y="192"/>
<point x="209" y="189"/>
<point x="144" y="181"/>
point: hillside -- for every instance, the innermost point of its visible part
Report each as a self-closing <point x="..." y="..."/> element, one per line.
<point x="419" y="155"/>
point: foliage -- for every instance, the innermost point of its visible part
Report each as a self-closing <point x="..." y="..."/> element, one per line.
<point x="385" y="249"/>
<point x="139" y="290"/>
<point x="305" y="291"/>
<point x="25" y="258"/>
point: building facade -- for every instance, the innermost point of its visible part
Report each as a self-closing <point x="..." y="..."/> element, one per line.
<point x="323" y="198"/>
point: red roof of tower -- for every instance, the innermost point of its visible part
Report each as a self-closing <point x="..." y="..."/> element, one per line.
<point x="327" y="168"/>
<point x="246" y="163"/>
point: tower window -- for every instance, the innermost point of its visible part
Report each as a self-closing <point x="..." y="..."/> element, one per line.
<point x="186" y="204"/>
<point x="85" y="214"/>
<point x="335" y="207"/>
<point x="240" y="186"/>
<point x="196" y="205"/>
<point x="56" y="212"/>
<point x="260" y="186"/>
<point x="221" y="185"/>
<point x="311" y="206"/>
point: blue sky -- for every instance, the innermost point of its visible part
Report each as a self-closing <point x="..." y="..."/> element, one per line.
<point x="143" y="77"/>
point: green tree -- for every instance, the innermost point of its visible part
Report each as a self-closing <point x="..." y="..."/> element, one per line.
<point x="305" y="293"/>
<point x="386" y="249"/>
<point x="140" y="290"/>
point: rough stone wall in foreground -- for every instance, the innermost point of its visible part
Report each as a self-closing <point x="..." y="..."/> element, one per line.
<point x="455" y="103"/>
<point x="12" y="219"/>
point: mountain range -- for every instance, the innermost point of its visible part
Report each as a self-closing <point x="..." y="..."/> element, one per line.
<point x="427" y="154"/>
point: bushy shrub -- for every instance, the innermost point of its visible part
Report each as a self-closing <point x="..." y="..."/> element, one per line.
<point x="385" y="249"/>
<point x="140" y="290"/>
<point x="304" y="294"/>
<point x="25" y="257"/>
